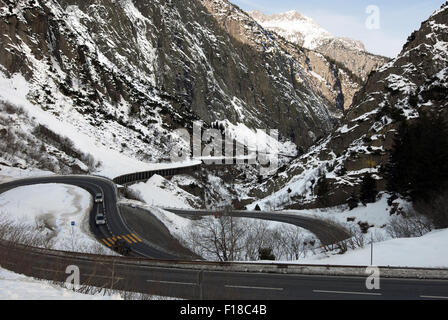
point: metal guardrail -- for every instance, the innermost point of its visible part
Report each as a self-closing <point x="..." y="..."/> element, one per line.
<point x="274" y="268"/>
<point x="146" y="175"/>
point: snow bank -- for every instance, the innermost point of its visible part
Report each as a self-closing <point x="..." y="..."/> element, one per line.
<point x="376" y="214"/>
<point x="8" y="174"/>
<point x="19" y="287"/>
<point x="429" y="251"/>
<point x="158" y="191"/>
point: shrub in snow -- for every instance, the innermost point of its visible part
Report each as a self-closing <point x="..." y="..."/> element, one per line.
<point x="408" y="224"/>
<point x="365" y="226"/>
<point x="353" y="202"/>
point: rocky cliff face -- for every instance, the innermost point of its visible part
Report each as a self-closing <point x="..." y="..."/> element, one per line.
<point x="143" y="68"/>
<point x="349" y="57"/>
<point x="417" y="79"/>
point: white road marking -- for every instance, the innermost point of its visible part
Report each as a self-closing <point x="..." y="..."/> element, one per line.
<point x="85" y="276"/>
<point x="433" y="297"/>
<point x="173" y="282"/>
<point x="254" y="288"/>
<point x="348" y="292"/>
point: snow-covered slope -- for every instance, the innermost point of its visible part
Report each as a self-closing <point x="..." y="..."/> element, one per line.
<point x="421" y="252"/>
<point x="163" y="193"/>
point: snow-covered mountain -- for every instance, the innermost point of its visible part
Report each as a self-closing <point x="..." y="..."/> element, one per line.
<point x="305" y="32"/>
<point x="416" y="80"/>
<point x="99" y="86"/>
<point x="122" y="76"/>
<point x="302" y="30"/>
<point x="135" y="68"/>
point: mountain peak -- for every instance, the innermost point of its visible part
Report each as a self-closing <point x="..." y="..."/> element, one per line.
<point x="292" y="15"/>
<point x="302" y="30"/>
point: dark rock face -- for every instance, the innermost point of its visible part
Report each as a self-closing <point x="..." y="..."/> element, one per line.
<point x="141" y="62"/>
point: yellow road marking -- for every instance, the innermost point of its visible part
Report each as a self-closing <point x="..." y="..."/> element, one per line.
<point x="129" y="241"/>
<point x="135" y="236"/>
<point x="106" y="242"/>
<point x="132" y="239"/>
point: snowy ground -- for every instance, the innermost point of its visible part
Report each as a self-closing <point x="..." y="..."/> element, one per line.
<point x="18" y="287"/>
<point x="9" y="174"/>
<point x="159" y="191"/>
<point x="429" y="251"/>
<point x="426" y="252"/>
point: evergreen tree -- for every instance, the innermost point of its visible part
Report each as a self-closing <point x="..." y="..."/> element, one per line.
<point x="322" y="189"/>
<point x="369" y="190"/>
<point x="353" y="202"/>
<point x="418" y="166"/>
<point x="257" y="208"/>
<point x="266" y="254"/>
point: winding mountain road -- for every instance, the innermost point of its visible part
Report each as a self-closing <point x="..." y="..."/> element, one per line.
<point x="168" y="276"/>
<point x="328" y="233"/>
<point x="115" y="225"/>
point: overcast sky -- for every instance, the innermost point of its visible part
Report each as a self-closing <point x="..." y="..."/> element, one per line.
<point x="398" y="18"/>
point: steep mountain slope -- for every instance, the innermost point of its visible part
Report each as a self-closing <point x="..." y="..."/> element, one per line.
<point x="126" y="73"/>
<point x="417" y="79"/>
<point x="346" y="53"/>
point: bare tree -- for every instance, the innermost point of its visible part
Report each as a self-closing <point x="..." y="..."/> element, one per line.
<point x="220" y="238"/>
<point x="293" y="240"/>
<point x="256" y="238"/>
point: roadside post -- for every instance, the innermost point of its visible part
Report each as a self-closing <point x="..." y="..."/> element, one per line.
<point x="73" y="235"/>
